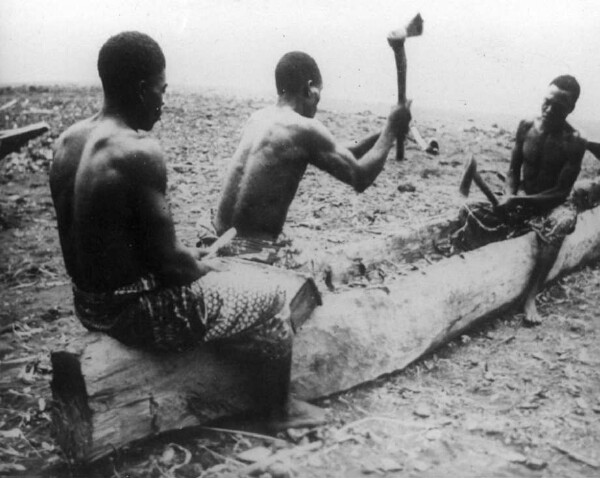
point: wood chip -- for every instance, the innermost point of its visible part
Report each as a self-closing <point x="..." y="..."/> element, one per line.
<point x="255" y="454"/>
<point x="422" y="411"/>
<point x="576" y="456"/>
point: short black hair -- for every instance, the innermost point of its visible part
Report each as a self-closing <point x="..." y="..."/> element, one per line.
<point x="294" y="70"/>
<point x="125" y="59"/>
<point x="567" y="83"/>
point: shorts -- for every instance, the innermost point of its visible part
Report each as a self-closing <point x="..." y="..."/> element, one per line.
<point x="482" y="224"/>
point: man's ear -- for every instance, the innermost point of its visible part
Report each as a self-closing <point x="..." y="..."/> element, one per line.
<point x="307" y="90"/>
<point x="142" y="88"/>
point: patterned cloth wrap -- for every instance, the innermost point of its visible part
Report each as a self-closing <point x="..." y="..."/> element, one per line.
<point x="251" y="248"/>
<point x="220" y="306"/>
<point x="482" y="224"/>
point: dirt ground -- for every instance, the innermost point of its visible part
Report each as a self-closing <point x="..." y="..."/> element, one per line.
<point x="501" y="400"/>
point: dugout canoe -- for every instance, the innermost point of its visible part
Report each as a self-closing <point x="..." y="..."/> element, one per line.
<point x="108" y="396"/>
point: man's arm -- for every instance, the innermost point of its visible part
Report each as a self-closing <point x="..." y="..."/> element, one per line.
<point x="339" y="161"/>
<point x="162" y="252"/>
<point x="360" y="148"/>
<point x="513" y="177"/>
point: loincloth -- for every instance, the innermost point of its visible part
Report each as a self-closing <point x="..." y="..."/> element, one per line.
<point x="266" y="251"/>
<point x="217" y="307"/>
<point x="481" y="224"/>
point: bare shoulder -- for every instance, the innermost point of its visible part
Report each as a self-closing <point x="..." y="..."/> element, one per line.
<point x="315" y="132"/>
<point x="574" y="141"/>
<point x="76" y="134"/>
<point x="137" y="155"/>
<point x="525" y="125"/>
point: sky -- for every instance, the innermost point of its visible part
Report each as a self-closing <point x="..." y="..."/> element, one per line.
<point x="494" y="56"/>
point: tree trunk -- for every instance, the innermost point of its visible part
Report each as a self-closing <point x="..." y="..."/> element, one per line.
<point x="361" y="334"/>
<point x="111" y="395"/>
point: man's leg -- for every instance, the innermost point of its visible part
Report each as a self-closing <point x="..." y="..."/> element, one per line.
<point x="551" y="231"/>
<point x="281" y="411"/>
<point x="545" y="257"/>
<point x="245" y="317"/>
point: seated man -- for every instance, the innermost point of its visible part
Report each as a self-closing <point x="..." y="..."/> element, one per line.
<point x="280" y="141"/>
<point x="545" y="163"/>
<point x="132" y="279"/>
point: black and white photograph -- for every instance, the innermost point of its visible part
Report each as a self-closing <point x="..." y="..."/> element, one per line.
<point x="284" y="239"/>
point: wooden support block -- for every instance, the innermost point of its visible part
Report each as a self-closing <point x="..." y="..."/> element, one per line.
<point x="109" y="395"/>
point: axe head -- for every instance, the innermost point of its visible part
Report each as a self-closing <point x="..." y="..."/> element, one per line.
<point x="467" y="177"/>
<point x="414" y="28"/>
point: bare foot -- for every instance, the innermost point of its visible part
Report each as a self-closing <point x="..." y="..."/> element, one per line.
<point x="298" y="414"/>
<point x="532" y="316"/>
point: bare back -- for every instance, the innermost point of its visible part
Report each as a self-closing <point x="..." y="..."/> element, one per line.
<point x="276" y="147"/>
<point x="266" y="169"/>
<point x="94" y="181"/>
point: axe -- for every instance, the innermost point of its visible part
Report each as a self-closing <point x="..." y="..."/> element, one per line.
<point x="396" y="41"/>
<point x="470" y="175"/>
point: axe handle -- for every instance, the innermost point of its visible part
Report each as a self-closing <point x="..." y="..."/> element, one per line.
<point x="400" y="57"/>
<point x="485" y="189"/>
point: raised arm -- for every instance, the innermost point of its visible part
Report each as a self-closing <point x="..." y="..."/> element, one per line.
<point x="340" y="162"/>
<point x="162" y="252"/>
<point x="360" y="148"/>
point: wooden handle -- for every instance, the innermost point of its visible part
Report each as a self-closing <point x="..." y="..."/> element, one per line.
<point x="400" y="57"/>
<point x="485" y="189"/>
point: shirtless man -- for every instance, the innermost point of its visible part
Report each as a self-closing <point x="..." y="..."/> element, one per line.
<point x="280" y="141"/>
<point x="546" y="160"/>
<point x="545" y="163"/>
<point x="132" y="279"/>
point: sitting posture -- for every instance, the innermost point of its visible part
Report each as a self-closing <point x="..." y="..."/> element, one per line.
<point x="280" y="141"/>
<point x="132" y="279"/>
<point x="546" y="160"/>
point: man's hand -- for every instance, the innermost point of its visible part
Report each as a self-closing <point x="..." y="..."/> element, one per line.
<point x="212" y="266"/>
<point x="200" y="252"/>
<point x="399" y="117"/>
<point x="507" y="204"/>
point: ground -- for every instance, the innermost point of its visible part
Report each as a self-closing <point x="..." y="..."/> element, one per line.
<point x="501" y="400"/>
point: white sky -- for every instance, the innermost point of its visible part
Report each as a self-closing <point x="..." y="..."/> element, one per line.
<point x="495" y="56"/>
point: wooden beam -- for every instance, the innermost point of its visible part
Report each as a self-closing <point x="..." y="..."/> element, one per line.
<point x="12" y="139"/>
